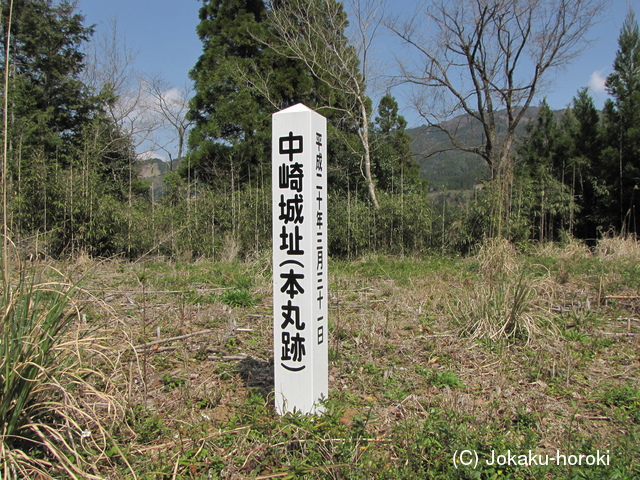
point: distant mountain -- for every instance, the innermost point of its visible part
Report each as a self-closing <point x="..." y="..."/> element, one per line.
<point x="456" y="170"/>
<point x="155" y="170"/>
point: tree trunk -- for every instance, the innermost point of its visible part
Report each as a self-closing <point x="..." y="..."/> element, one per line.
<point x="364" y="137"/>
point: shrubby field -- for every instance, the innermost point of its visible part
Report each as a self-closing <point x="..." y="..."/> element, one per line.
<point x="167" y="369"/>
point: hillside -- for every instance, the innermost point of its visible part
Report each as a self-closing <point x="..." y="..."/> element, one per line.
<point x="154" y="169"/>
<point x="455" y="170"/>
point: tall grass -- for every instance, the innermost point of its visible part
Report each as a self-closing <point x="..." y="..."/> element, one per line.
<point x="618" y="248"/>
<point x="52" y="415"/>
<point x="502" y="304"/>
<point x="503" y="309"/>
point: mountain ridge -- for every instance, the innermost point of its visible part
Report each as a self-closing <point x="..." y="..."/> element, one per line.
<point x="455" y="169"/>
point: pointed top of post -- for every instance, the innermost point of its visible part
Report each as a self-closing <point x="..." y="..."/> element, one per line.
<point x="297" y="108"/>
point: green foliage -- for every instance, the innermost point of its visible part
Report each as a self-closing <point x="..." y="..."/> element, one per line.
<point x="231" y="136"/>
<point x="74" y="178"/>
<point x="49" y="103"/>
<point x="624" y="402"/>
<point x="33" y="324"/>
<point x="74" y="183"/>
<point x="402" y="225"/>
<point x="486" y="216"/>
<point x="170" y="382"/>
<point x="624" y="124"/>
<point x="71" y="167"/>
<point x="147" y="424"/>
<point x="445" y="378"/>
<point x="238" y="297"/>
<point x="545" y="198"/>
<point x="625" y="396"/>
<point x="576" y="173"/>
<point x="393" y="165"/>
<point x="581" y="174"/>
<point x="238" y="226"/>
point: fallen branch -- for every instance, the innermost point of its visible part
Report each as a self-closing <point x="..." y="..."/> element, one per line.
<point x="589" y="417"/>
<point x="230" y="357"/>
<point x="111" y="293"/>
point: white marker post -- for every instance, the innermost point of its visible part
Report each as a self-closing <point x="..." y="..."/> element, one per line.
<point x="300" y="282"/>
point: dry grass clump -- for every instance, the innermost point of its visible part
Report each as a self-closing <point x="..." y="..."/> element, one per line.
<point x="497" y="256"/>
<point x="575" y="249"/>
<point x="625" y="248"/>
<point x="502" y="304"/>
<point x="58" y="411"/>
<point x="503" y="309"/>
<point x="569" y="249"/>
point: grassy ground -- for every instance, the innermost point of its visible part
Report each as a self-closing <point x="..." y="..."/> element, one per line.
<point x="436" y="365"/>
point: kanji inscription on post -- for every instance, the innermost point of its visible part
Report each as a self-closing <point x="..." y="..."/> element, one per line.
<point x="299" y="184"/>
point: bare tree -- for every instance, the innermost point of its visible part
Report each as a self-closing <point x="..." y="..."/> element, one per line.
<point x="110" y="70"/>
<point x="488" y="59"/>
<point x="313" y="31"/>
<point x="169" y="105"/>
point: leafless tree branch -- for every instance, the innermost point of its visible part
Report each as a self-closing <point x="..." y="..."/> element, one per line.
<point x="312" y="31"/>
<point x="488" y="59"/>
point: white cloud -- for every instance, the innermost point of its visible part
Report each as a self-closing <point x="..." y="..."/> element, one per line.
<point x="596" y="82"/>
<point x="174" y="95"/>
<point x="150" y="155"/>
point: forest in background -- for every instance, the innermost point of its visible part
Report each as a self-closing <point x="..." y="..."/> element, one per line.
<point x="73" y="181"/>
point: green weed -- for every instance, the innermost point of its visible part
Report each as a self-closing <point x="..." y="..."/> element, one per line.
<point x="147" y="424"/>
<point x="238" y="297"/>
<point x="171" y="382"/>
<point x="624" y="401"/>
<point x="445" y="378"/>
<point x="624" y="396"/>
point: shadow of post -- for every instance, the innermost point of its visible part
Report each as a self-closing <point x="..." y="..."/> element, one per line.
<point x="257" y="373"/>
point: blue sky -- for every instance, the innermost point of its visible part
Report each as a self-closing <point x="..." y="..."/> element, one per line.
<point x="163" y="34"/>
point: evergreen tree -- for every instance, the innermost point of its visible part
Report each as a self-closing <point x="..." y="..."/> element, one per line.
<point x="542" y="170"/>
<point x="70" y="165"/>
<point x="230" y="141"/>
<point x="48" y="101"/>
<point x="586" y="172"/>
<point x="623" y="123"/>
<point x="394" y="167"/>
<point x="48" y="104"/>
